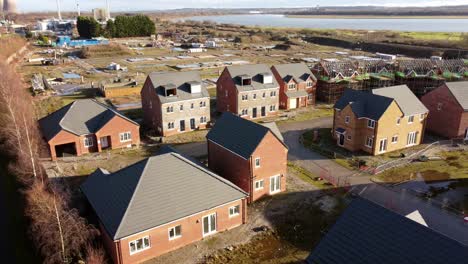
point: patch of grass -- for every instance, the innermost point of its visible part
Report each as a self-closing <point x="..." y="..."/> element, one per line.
<point x="310" y="114"/>
<point x="53" y="103"/>
<point x="453" y="164"/>
<point x="212" y="92"/>
<point x="308" y="177"/>
<point x="433" y="35"/>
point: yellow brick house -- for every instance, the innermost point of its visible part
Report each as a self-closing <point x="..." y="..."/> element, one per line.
<point x="384" y="120"/>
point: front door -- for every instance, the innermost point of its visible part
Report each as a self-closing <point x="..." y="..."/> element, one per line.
<point x="341" y="139"/>
<point x="293" y="103"/>
<point x="383" y="145"/>
<point x="254" y="113"/>
<point x="209" y="224"/>
<point x="104" y="143"/>
<point x="192" y="123"/>
<point x="263" y="111"/>
<point x="182" y="125"/>
<point x="275" y="184"/>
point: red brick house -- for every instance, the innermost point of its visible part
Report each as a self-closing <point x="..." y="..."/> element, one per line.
<point x="86" y="126"/>
<point x="297" y="85"/>
<point x="249" y="91"/>
<point x="448" y="110"/>
<point x="250" y="155"/>
<point x="161" y="204"/>
<point x="175" y="102"/>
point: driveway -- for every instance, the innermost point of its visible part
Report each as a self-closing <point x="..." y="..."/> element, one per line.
<point x="313" y="161"/>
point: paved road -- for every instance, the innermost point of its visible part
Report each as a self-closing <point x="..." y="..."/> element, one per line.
<point x="405" y="203"/>
<point x="313" y="161"/>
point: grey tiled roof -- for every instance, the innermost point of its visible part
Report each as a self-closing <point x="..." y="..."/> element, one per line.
<point x="364" y="104"/>
<point x="404" y="97"/>
<point x="237" y="134"/>
<point x="274" y="129"/>
<point x="155" y="191"/>
<point x="460" y="92"/>
<point x="296" y="94"/>
<point x="80" y="117"/>
<point x="367" y="233"/>
<point x="254" y="71"/>
<point x="298" y="71"/>
<point x="179" y="80"/>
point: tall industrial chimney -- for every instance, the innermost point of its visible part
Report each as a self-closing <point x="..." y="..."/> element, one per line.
<point x="108" y="10"/>
<point x="9" y="6"/>
<point x="59" y="13"/>
<point x="1" y="6"/>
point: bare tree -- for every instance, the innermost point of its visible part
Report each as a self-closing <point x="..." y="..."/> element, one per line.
<point x="95" y="255"/>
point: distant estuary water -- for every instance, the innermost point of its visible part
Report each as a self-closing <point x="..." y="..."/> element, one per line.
<point x="398" y="24"/>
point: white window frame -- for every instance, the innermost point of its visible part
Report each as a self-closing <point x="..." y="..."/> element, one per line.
<point x="257" y="161"/>
<point x="169" y="127"/>
<point x="209" y="224"/>
<point x="203" y="120"/>
<point x="411" y="119"/>
<point x="346" y="119"/>
<point x="292" y="86"/>
<point x="439" y="106"/>
<point x="124" y="134"/>
<point x="278" y="177"/>
<point x="181" y="107"/>
<point x="170" y="109"/>
<point x="421" y="117"/>
<point x="348" y="137"/>
<point x="371" y="140"/>
<point x="260" y="182"/>
<point x="398" y="121"/>
<point x="414" y="136"/>
<point x="309" y="84"/>
<point x="371" y="123"/>
<point x="394" y="139"/>
<point x="175" y="234"/>
<point x="254" y="96"/>
<point x="263" y="95"/>
<point x="135" y="242"/>
<point x="88" y="142"/>
<point x="380" y="145"/>
<point x="233" y="213"/>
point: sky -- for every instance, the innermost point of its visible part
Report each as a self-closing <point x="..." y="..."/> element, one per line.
<point x="138" y="5"/>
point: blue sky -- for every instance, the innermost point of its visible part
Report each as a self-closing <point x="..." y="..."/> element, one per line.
<point x="131" y="5"/>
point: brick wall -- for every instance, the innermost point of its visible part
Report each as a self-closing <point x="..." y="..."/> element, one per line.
<point x="192" y="231"/>
<point x="226" y="93"/>
<point x="152" y="116"/>
<point x="450" y="121"/>
<point x="283" y="99"/>
<point x="114" y="128"/>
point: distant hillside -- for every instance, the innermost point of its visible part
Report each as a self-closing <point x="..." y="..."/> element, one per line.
<point x="385" y="11"/>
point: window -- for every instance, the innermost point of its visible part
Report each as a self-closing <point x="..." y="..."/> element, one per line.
<point x="421" y="117"/>
<point x="209" y="224"/>
<point x="273" y="93"/>
<point x="226" y="93"/>
<point x="398" y="121"/>
<point x="181" y="107"/>
<point x="264" y="95"/>
<point x="139" y="245"/>
<point x="192" y="105"/>
<point x="410" y="119"/>
<point x="257" y="162"/>
<point x="175" y="232"/>
<point x="245" y="112"/>
<point x="245" y="97"/>
<point x="349" y="137"/>
<point x="272" y="108"/>
<point x="151" y="104"/>
<point x="126" y="136"/>
<point x="291" y="86"/>
<point x="259" y="184"/>
<point x="369" y="142"/>
<point x="170" y="109"/>
<point x="346" y="119"/>
<point x="383" y="145"/>
<point x="203" y="119"/>
<point x="202" y="104"/>
<point x="88" y="142"/>
<point x="370" y="123"/>
<point x="234" y="211"/>
<point x="439" y="106"/>
<point x="170" y="125"/>
<point x="309" y="84"/>
<point x="310" y="97"/>
<point x="275" y="184"/>
<point x="395" y="139"/>
<point x="254" y="96"/>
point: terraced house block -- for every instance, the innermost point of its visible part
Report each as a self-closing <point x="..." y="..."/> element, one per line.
<point x="297" y="85"/>
<point x="86" y="126"/>
<point x="388" y="119"/>
<point x="250" y="91"/>
<point x="160" y="204"/>
<point x="250" y="155"/>
<point x="175" y="102"/>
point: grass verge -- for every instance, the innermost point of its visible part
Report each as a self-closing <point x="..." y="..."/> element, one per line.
<point x="308" y="177"/>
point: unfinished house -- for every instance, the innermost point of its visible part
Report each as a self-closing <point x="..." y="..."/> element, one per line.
<point x="375" y="73"/>
<point x="175" y="102"/>
<point x="297" y="85"/>
<point x="86" y="126"/>
<point x="420" y="75"/>
<point x="250" y="91"/>
<point x="334" y="77"/>
<point x="452" y="70"/>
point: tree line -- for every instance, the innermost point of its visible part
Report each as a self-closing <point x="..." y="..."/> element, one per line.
<point x="121" y="27"/>
<point x="56" y="229"/>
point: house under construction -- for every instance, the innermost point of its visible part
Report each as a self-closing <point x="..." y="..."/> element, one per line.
<point x="420" y="75"/>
